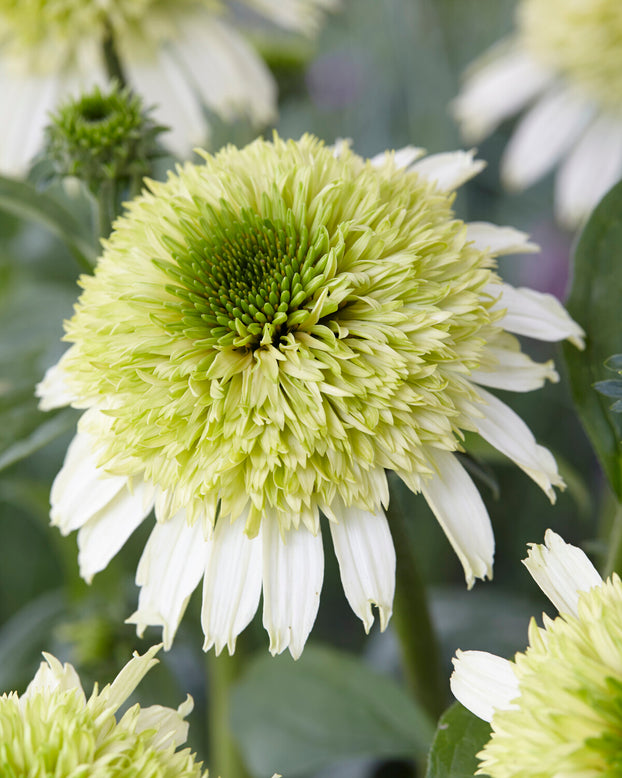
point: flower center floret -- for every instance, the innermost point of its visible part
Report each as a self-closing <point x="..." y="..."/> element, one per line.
<point x="568" y="719"/>
<point x="248" y="277"/>
<point x="273" y="329"/>
<point x="580" y="40"/>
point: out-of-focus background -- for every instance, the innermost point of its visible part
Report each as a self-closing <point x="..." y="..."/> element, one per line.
<point x="381" y="73"/>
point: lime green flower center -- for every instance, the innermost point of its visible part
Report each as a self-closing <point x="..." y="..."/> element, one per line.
<point x="569" y="715"/>
<point x="275" y="328"/>
<point x="58" y="734"/>
<point x="246" y="280"/>
<point x="580" y="40"/>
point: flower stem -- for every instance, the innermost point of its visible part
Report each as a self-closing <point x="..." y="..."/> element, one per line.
<point x="107" y="207"/>
<point x="613" y="560"/>
<point x="222" y="672"/>
<point x="411" y="617"/>
<point x="114" y="68"/>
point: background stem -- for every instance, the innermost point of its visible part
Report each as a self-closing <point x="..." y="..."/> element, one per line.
<point x="411" y="617"/>
<point x="222" y="672"/>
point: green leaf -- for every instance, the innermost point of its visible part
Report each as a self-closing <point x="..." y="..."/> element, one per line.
<point x="612" y="387"/>
<point x="22" y="199"/>
<point x="459" y="737"/>
<point x="45" y="433"/>
<point x="297" y="717"/>
<point x="595" y="303"/>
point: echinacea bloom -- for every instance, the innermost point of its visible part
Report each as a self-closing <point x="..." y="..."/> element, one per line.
<point x="181" y="57"/>
<point x="564" y="61"/>
<point x="53" y="729"/>
<point x="556" y="709"/>
<point x="264" y="336"/>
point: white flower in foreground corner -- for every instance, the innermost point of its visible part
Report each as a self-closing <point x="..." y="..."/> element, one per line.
<point x="566" y="59"/>
<point x="265" y="335"/>
<point x="179" y="56"/>
<point x="54" y="730"/>
<point x="555" y="710"/>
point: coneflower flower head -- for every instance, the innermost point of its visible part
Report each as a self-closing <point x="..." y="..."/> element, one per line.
<point x="265" y="335"/>
<point x="564" y="65"/>
<point x="556" y="708"/>
<point x="53" y="729"/>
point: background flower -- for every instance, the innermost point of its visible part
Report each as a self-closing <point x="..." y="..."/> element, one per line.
<point x="554" y="709"/>
<point x="298" y="321"/>
<point x="53" y="729"/>
<point x="565" y="57"/>
<point x="182" y="57"/>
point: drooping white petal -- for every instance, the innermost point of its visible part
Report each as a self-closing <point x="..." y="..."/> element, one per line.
<point x="515" y="371"/>
<point x="230" y="77"/>
<point x="231" y="585"/>
<point x="483" y="683"/>
<point x="402" y="158"/>
<point x="162" y="83"/>
<point x="508" y="433"/>
<point x="293" y="571"/>
<point x="562" y="571"/>
<point x="535" y="314"/>
<point x="171" y="729"/>
<point x="499" y="240"/>
<point x="81" y="489"/>
<point x="450" y="169"/>
<point x="301" y="15"/>
<point x="169" y="570"/>
<point x="366" y="555"/>
<point x="592" y="168"/>
<point x="104" y="534"/>
<point x="496" y="90"/>
<point x="543" y="135"/>
<point x="53" y="676"/>
<point x="52" y="390"/>
<point x="460" y="510"/>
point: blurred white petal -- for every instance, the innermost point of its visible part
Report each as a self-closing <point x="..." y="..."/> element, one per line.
<point x="499" y="240"/>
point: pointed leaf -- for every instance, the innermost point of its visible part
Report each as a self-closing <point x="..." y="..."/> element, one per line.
<point x="297" y="717"/>
<point x="459" y="737"/>
<point x="595" y="303"/>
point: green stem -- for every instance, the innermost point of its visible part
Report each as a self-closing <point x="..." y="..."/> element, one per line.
<point x="222" y="672"/>
<point x="107" y="207"/>
<point x="613" y="560"/>
<point x="411" y="618"/>
<point x="114" y="68"/>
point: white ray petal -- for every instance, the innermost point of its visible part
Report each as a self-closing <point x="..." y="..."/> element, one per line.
<point x="169" y="570"/>
<point x="543" y="135"/>
<point x="508" y="433"/>
<point x="163" y="84"/>
<point x="53" y="676"/>
<point x="483" y="683"/>
<point x="460" y="510"/>
<point x="515" y="371"/>
<point x="293" y="571"/>
<point x="535" y="314"/>
<point x="562" y="571"/>
<point x="496" y="90"/>
<point x="170" y="726"/>
<point x="450" y="169"/>
<point x="592" y="168"/>
<point x="301" y="15"/>
<point x="104" y="534"/>
<point x="402" y="158"/>
<point x="499" y="240"/>
<point x="231" y="585"/>
<point x="81" y="489"/>
<point x="366" y="555"/>
<point x="230" y="77"/>
<point x="52" y="390"/>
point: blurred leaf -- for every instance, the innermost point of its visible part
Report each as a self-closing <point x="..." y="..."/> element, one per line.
<point x="23" y="200"/>
<point x="295" y="717"/>
<point x="459" y="737"/>
<point x="595" y="303"/>
<point x="46" y="432"/>
<point x="25" y="635"/>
